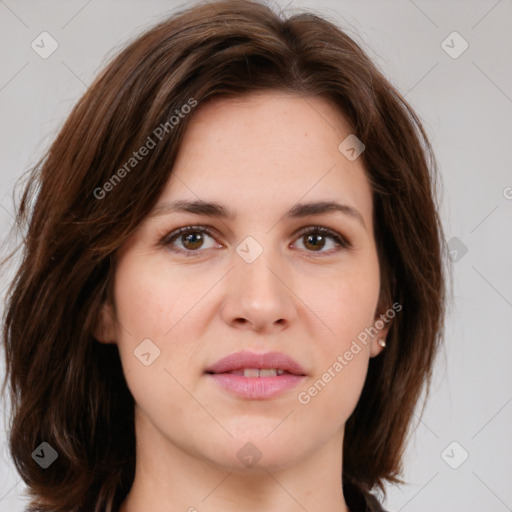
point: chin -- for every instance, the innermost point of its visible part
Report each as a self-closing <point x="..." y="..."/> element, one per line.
<point x="255" y="453"/>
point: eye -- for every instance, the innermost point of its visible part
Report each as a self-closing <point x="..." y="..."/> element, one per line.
<point x="315" y="237"/>
<point x="192" y="239"/>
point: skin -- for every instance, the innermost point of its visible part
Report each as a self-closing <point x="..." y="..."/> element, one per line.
<point x="259" y="155"/>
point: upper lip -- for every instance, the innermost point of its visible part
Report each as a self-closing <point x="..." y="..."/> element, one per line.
<point x="245" y="359"/>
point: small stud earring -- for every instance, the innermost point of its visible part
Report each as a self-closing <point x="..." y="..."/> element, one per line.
<point x="382" y="342"/>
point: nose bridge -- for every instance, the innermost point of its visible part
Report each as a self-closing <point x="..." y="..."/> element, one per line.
<point x="258" y="263"/>
<point x="257" y="291"/>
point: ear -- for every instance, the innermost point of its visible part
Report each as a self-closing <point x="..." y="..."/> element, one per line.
<point x="104" y="330"/>
<point x="382" y="323"/>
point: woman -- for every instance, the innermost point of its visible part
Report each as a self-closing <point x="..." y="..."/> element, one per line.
<point x="232" y="287"/>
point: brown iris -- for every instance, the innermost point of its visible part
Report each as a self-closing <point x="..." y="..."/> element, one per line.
<point x="313" y="237"/>
<point x="195" y="238"/>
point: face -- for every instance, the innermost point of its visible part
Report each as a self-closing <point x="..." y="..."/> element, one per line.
<point x="290" y="288"/>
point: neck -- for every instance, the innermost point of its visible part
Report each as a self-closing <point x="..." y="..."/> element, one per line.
<point x="169" y="479"/>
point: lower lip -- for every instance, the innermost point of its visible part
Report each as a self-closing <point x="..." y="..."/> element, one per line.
<point x="256" y="388"/>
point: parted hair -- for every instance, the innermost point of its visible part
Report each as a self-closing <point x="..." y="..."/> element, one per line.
<point x="66" y="388"/>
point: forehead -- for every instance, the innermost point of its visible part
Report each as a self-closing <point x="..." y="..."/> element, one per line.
<point x="264" y="152"/>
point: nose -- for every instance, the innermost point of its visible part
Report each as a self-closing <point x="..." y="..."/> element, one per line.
<point x="259" y="295"/>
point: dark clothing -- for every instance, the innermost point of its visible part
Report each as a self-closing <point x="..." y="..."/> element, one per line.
<point x="360" y="501"/>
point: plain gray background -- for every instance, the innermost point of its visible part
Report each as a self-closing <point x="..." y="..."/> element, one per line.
<point x="465" y="102"/>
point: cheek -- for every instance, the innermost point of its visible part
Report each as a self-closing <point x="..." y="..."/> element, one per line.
<point x="152" y="297"/>
<point x="346" y="303"/>
<point x="150" y="306"/>
<point x="333" y="393"/>
<point x="347" y="306"/>
<point x="158" y="303"/>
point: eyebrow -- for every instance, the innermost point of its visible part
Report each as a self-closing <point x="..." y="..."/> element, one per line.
<point x="213" y="209"/>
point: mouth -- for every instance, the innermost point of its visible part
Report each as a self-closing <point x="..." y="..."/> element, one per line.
<point x="257" y="372"/>
<point x="255" y="376"/>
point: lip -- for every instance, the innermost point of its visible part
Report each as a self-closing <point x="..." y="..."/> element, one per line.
<point x="256" y="388"/>
<point x="246" y="359"/>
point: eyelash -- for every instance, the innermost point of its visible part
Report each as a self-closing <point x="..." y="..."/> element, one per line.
<point x="167" y="240"/>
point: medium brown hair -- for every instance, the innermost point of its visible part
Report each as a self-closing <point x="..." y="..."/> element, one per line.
<point x="67" y="389"/>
